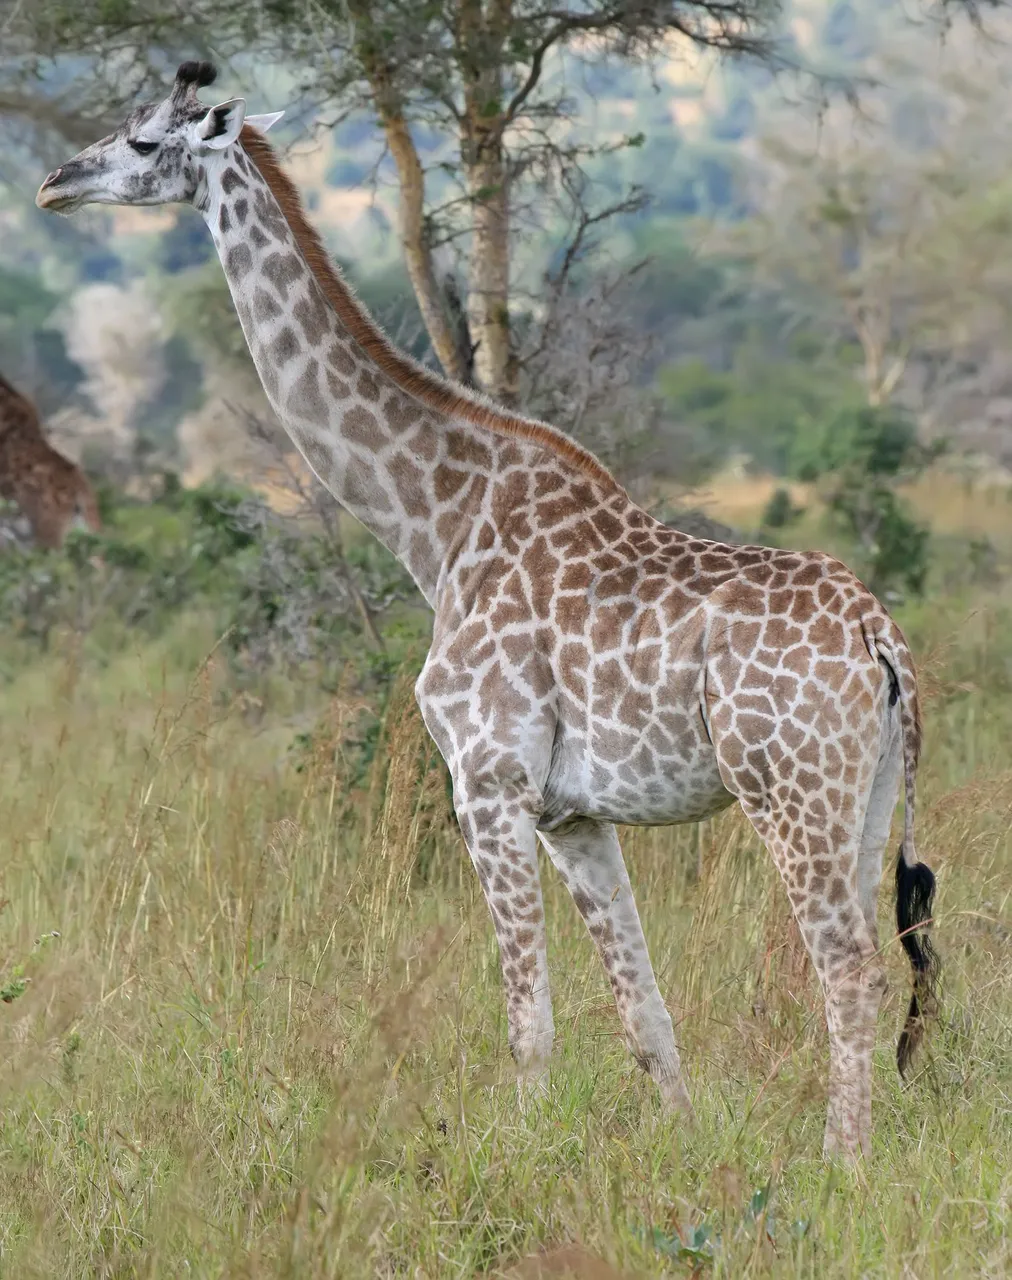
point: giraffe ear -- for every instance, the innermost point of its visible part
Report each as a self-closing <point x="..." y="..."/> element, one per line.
<point x="265" y="122"/>
<point x="222" y="125"/>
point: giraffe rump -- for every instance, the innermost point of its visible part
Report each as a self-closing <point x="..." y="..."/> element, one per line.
<point x="915" y="893"/>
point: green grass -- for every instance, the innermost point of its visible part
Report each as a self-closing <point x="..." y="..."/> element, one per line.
<point x="252" y="1019"/>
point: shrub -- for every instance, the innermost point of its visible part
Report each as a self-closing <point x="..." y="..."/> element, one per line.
<point x="861" y="456"/>
<point x="284" y="594"/>
<point x="780" y="511"/>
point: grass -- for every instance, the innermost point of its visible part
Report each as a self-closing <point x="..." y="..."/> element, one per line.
<point x="952" y="502"/>
<point x="252" y="1022"/>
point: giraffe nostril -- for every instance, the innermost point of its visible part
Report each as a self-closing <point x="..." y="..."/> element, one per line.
<point x="52" y="178"/>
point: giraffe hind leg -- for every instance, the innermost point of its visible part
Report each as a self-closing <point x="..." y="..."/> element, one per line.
<point x="822" y="880"/>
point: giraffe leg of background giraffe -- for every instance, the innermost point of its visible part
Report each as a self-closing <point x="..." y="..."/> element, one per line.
<point x="589" y="859"/>
<point x="499" y="831"/>
<point x="822" y="881"/>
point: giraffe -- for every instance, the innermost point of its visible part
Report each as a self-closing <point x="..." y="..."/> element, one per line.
<point x="589" y="665"/>
<point x="51" y="492"/>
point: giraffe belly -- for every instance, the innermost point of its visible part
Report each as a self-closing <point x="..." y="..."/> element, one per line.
<point x="653" y="780"/>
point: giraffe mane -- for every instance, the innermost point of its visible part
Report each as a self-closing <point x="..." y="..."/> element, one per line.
<point x="417" y="381"/>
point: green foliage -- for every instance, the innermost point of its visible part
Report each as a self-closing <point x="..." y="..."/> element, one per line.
<point x="679" y="285"/>
<point x="892" y="546"/>
<point x="283" y="595"/>
<point x="768" y="403"/>
<point x="150" y="560"/>
<point x="873" y="441"/>
<point x="14" y="985"/>
<point x="862" y="455"/>
<point x="702" y="1243"/>
<point x="780" y="511"/>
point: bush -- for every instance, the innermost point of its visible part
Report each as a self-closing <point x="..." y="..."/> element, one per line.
<point x="892" y="546"/>
<point x="780" y="511"/>
<point x="879" y="441"/>
<point x="861" y="456"/>
<point x="284" y="595"/>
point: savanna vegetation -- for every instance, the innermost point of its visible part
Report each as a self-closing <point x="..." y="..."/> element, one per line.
<point x="251" y="1020"/>
<point x="252" y="1017"/>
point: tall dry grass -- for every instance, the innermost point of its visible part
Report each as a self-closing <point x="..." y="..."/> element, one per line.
<point x="252" y="1019"/>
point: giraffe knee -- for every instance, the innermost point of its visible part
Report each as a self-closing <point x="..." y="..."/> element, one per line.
<point x="864" y="979"/>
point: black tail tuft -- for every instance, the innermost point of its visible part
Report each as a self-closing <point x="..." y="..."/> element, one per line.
<point x="915" y="892"/>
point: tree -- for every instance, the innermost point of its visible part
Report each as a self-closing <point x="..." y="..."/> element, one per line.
<point x="484" y="77"/>
<point x="861" y="457"/>
<point x="884" y="227"/>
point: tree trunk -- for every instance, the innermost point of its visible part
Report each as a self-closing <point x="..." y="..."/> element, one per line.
<point x="411" y="181"/>
<point x="486" y="169"/>
<point x="489" y="277"/>
<point x="417" y="250"/>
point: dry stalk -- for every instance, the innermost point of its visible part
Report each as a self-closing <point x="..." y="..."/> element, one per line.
<point x="404" y="775"/>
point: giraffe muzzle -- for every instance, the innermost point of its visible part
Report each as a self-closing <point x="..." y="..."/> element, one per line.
<point x="54" y="195"/>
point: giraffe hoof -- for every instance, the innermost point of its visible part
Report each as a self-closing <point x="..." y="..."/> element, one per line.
<point x="836" y="1150"/>
<point x="532" y="1090"/>
<point x="675" y="1098"/>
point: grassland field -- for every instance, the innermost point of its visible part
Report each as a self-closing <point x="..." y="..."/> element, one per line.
<point x="252" y="1023"/>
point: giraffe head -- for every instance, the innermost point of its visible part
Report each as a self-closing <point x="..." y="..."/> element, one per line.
<point x="163" y="152"/>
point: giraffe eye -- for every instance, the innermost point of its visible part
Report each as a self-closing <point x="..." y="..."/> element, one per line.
<point x="142" y="148"/>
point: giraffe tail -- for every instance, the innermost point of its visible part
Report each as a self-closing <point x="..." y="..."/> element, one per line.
<point x="915" y="882"/>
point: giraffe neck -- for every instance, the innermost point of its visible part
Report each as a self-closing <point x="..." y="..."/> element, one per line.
<point x="374" y="447"/>
<point x="412" y="457"/>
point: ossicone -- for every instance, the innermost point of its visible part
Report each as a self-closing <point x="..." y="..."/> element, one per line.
<point x="196" y="73"/>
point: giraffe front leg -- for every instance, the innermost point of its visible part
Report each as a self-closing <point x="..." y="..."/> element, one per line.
<point x="589" y="859"/>
<point x="499" y="830"/>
